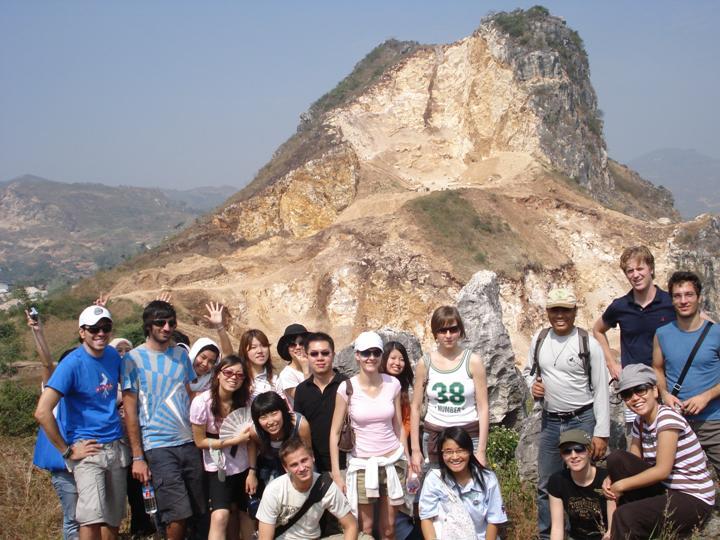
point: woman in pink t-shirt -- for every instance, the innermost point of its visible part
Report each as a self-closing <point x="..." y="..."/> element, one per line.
<point x="377" y="467"/>
<point x="229" y="463"/>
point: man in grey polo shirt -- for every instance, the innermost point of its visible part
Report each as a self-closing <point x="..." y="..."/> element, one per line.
<point x="573" y="390"/>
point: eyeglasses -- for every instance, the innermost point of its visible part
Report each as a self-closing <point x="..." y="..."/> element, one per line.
<point x="640" y="390"/>
<point x="377" y="353"/>
<point x="230" y="374"/>
<point x="449" y="329"/>
<point x="297" y="343"/>
<point x="96" y="329"/>
<point x="460" y="452"/>
<point x="160" y="323"/>
<point x="578" y="449"/>
<point x="315" y="354"/>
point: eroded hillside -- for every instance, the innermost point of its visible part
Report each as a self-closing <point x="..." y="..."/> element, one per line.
<point x="485" y="153"/>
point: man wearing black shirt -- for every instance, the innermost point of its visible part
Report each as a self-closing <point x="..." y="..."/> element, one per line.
<point x="315" y="396"/>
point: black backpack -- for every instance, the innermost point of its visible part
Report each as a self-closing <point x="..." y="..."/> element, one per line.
<point x="584" y="353"/>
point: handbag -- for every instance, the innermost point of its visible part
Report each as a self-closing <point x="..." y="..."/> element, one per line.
<point x="453" y="520"/>
<point x="347" y="436"/>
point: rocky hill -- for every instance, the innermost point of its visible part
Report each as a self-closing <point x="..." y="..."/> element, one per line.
<point x="425" y="165"/>
<point x="56" y="231"/>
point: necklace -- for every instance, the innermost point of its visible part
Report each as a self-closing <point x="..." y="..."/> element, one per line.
<point x="552" y="351"/>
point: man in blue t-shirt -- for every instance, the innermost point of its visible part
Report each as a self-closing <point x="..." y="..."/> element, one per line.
<point x="87" y="379"/>
<point x="156" y="397"/>
<point x="699" y="394"/>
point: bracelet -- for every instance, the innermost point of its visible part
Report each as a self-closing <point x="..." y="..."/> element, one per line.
<point x="138" y="458"/>
<point x="68" y="452"/>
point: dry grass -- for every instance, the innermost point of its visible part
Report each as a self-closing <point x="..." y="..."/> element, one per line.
<point x="29" y="507"/>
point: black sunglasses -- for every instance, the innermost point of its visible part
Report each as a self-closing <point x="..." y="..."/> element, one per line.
<point x="95" y="329"/>
<point x="315" y="354"/>
<point x="377" y="353"/>
<point x="640" y="390"/>
<point x="452" y="329"/>
<point x="578" y="449"/>
<point x="160" y="323"/>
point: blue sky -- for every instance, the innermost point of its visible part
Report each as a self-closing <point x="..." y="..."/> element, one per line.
<point x="182" y="94"/>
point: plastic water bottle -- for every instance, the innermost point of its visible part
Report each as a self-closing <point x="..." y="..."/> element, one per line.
<point x="413" y="483"/>
<point x="149" y="498"/>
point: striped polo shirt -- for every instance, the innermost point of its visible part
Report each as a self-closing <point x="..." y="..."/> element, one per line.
<point x="689" y="472"/>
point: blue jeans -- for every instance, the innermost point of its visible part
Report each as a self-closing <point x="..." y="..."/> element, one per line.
<point x="549" y="460"/>
<point x="64" y="484"/>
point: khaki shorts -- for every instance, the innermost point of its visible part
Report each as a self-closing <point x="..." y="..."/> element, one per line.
<point x="382" y="483"/>
<point x="101" y="482"/>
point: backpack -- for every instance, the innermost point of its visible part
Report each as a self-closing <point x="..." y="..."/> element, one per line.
<point x="584" y="353"/>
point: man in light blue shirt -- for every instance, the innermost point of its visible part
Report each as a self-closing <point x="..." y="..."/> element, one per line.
<point x="156" y="396"/>
<point x="699" y="394"/>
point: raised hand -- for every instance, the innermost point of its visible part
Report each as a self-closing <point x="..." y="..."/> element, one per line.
<point x="164" y="296"/>
<point x="215" y="314"/>
<point x="102" y="300"/>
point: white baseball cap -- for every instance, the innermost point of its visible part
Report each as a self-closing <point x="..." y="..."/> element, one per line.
<point x="368" y="340"/>
<point x="92" y="314"/>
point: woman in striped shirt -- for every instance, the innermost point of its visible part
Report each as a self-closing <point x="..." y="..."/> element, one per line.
<point x="662" y="485"/>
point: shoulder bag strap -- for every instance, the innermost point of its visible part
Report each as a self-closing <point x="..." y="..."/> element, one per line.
<point x="584" y="354"/>
<point x="536" y="353"/>
<point x="317" y="492"/>
<point x="678" y="385"/>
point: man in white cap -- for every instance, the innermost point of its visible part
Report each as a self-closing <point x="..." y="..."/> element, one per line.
<point x="566" y="371"/>
<point x="87" y="379"/>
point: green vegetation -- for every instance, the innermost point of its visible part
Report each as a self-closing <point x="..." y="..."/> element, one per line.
<point x="17" y="404"/>
<point x="364" y="74"/>
<point x="11" y="346"/>
<point x="469" y="239"/>
<point x="502" y="442"/>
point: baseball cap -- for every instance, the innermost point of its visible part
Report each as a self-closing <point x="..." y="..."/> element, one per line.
<point x="368" y="340"/>
<point x="579" y="436"/>
<point x="561" y="298"/>
<point x="92" y="314"/>
<point x="635" y="375"/>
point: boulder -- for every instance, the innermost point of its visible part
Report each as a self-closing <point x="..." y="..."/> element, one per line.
<point x="486" y="335"/>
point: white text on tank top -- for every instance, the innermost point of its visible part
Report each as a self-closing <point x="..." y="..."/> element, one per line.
<point x="451" y="395"/>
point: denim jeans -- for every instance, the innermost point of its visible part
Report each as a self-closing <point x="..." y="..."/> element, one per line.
<point x="549" y="460"/>
<point x="64" y="484"/>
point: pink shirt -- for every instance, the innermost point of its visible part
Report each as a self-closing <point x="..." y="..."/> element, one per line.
<point x="201" y="414"/>
<point x="372" y="417"/>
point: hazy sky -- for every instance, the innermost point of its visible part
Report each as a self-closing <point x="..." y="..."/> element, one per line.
<point x="181" y="94"/>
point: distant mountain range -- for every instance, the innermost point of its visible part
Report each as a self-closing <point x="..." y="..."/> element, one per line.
<point x="55" y="231"/>
<point x="693" y="178"/>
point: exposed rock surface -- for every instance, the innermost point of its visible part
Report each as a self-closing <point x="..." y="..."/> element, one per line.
<point x="479" y="306"/>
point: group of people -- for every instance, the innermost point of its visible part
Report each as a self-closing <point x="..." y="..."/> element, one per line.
<point x="392" y="452"/>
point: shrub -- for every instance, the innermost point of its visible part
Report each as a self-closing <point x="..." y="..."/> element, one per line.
<point x="501" y="446"/>
<point x="17" y="404"/>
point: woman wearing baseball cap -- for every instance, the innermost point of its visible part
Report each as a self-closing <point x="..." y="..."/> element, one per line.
<point x="576" y="491"/>
<point x="663" y="483"/>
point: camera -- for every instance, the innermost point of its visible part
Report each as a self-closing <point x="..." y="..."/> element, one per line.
<point x="34" y="315"/>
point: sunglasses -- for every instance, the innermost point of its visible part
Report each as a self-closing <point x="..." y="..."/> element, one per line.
<point x="449" y="329"/>
<point x="578" y="449"/>
<point x="230" y="374"/>
<point x="95" y="329"/>
<point x="640" y="390"/>
<point x="297" y="343"/>
<point x="315" y="354"/>
<point x="377" y="353"/>
<point x="160" y="323"/>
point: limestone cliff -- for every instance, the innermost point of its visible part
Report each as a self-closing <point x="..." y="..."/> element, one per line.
<point x="428" y="164"/>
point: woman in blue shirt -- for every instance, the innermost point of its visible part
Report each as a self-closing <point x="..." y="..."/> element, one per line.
<point x="462" y="499"/>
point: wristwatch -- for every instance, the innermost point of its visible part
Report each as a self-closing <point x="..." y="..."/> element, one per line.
<point x="68" y="452"/>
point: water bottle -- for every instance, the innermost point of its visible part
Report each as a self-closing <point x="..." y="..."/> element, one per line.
<point x="413" y="483"/>
<point x="149" y="498"/>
